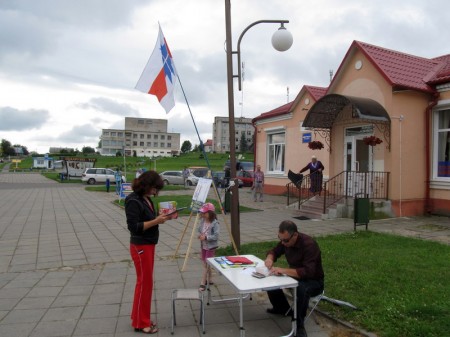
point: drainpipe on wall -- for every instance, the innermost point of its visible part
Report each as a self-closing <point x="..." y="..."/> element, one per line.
<point x="428" y="111"/>
<point x="255" y="134"/>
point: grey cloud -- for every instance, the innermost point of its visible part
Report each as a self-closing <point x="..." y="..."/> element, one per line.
<point x="27" y="35"/>
<point x="109" y="106"/>
<point x="18" y="120"/>
<point x="80" y="134"/>
<point x="81" y="13"/>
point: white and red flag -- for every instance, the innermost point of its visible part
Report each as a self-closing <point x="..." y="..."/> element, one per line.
<point x="158" y="77"/>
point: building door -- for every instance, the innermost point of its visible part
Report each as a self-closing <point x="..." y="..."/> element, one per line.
<point x="358" y="160"/>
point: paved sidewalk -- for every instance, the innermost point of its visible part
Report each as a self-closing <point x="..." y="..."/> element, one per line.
<point x="65" y="267"/>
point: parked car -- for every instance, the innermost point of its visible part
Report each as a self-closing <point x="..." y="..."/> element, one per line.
<point x="219" y="179"/>
<point x="99" y="175"/>
<point x="242" y="165"/>
<point x="196" y="172"/>
<point x="246" y="176"/>
<point x="172" y="177"/>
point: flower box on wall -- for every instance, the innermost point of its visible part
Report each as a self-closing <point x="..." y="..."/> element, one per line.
<point x="315" y="145"/>
<point x="372" y="140"/>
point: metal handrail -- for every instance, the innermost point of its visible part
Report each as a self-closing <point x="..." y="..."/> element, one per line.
<point x="374" y="184"/>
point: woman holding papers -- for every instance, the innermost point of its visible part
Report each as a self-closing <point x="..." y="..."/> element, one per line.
<point x="143" y="222"/>
<point x="208" y="234"/>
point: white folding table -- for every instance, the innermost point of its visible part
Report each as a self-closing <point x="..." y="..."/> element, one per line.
<point x="245" y="284"/>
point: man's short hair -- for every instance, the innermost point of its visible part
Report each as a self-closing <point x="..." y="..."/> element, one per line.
<point x="287" y="226"/>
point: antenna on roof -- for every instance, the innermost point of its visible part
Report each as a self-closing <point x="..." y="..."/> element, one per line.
<point x="331" y="75"/>
<point x="242" y="91"/>
<point x="287" y="94"/>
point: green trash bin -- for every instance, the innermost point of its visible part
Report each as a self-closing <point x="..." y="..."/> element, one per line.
<point x="227" y="205"/>
<point x="361" y="211"/>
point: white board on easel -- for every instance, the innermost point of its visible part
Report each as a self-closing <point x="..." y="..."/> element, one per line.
<point x="198" y="199"/>
<point x="200" y="193"/>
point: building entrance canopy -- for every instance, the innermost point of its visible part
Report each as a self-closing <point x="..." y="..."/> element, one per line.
<point x="348" y="110"/>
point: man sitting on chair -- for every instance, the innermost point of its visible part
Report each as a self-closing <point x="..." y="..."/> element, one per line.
<point x="305" y="264"/>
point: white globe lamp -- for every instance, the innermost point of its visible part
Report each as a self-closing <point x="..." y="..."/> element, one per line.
<point x="282" y="39"/>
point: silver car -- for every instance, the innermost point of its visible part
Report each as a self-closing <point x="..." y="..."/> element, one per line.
<point x="99" y="175"/>
<point x="172" y="177"/>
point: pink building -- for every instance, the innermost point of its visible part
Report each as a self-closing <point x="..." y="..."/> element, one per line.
<point x="385" y="124"/>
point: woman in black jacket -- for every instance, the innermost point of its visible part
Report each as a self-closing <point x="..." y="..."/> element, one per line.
<point x="143" y="223"/>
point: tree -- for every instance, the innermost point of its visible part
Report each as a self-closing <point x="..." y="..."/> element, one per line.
<point x="7" y="149"/>
<point x="118" y="154"/>
<point x="87" y="150"/>
<point x="186" y="147"/>
<point x="243" y="143"/>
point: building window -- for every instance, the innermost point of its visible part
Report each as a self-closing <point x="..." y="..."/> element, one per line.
<point x="169" y="137"/>
<point x="162" y="145"/>
<point x="149" y="136"/>
<point x="276" y="148"/>
<point x="119" y="134"/>
<point x="105" y="142"/>
<point x="141" y="143"/>
<point x="163" y="137"/>
<point x="134" y="135"/>
<point x="442" y="144"/>
<point x="105" y="133"/>
<point x="155" y="136"/>
<point x="134" y="143"/>
<point x="155" y="144"/>
<point x="140" y="121"/>
<point x="142" y="136"/>
<point x="169" y="144"/>
<point x="149" y="143"/>
<point x="113" y="134"/>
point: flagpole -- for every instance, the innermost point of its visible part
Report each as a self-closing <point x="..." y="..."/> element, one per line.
<point x="233" y="242"/>
<point x="193" y="121"/>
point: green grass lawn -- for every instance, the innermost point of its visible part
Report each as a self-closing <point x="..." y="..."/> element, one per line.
<point x="185" y="201"/>
<point x="401" y="285"/>
<point x="132" y="164"/>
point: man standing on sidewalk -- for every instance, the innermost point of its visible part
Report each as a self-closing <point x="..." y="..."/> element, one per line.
<point x="258" y="184"/>
<point x="185" y="176"/>
<point x="305" y="264"/>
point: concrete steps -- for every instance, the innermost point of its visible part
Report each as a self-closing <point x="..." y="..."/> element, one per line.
<point x="313" y="208"/>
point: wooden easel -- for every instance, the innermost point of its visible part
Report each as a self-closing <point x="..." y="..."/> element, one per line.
<point x="195" y="227"/>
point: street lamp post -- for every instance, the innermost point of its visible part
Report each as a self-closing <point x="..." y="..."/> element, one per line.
<point x="281" y="41"/>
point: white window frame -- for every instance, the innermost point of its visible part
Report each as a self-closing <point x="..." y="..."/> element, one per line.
<point x="436" y="132"/>
<point x="271" y="147"/>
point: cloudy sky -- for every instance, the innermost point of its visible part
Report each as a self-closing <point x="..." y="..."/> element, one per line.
<point x="69" y="68"/>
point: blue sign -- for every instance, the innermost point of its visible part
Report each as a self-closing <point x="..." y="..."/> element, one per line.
<point x="306" y="137"/>
<point x="125" y="189"/>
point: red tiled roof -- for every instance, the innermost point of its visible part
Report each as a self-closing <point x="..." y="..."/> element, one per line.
<point x="315" y="92"/>
<point x="284" y="109"/>
<point x="443" y="73"/>
<point x="208" y="142"/>
<point x="400" y="69"/>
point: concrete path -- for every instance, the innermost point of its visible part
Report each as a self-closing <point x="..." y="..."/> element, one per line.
<point x="65" y="268"/>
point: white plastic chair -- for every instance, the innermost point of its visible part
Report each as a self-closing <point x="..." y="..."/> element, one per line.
<point x="188" y="294"/>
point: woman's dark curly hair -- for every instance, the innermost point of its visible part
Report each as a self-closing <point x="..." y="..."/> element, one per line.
<point x="147" y="181"/>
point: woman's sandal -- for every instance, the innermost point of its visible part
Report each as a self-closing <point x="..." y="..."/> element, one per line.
<point x="202" y="287"/>
<point x="152" y="330"/>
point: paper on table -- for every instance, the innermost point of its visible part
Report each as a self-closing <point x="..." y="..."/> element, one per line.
<point x="248" y="271"/>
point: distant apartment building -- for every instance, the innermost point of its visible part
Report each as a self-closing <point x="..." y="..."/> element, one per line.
<point x="221" y="133"/>
<point x="61" y="149"/>
<point x="141" y="137"/>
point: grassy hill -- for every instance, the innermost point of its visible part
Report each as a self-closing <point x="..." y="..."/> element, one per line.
<point x="216" y="161"/>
